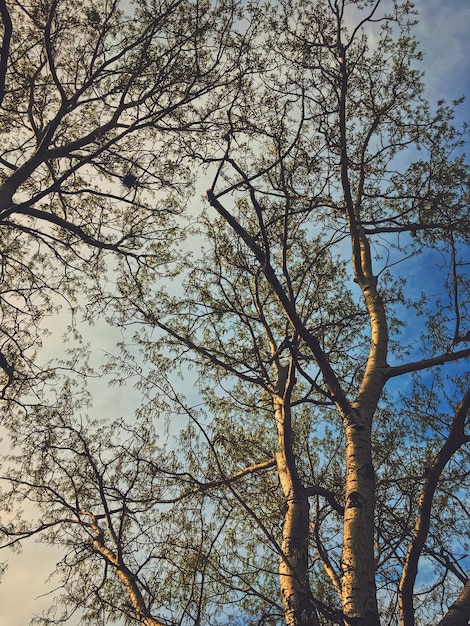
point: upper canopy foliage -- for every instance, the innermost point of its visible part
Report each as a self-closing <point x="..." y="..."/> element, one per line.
<point x="93" y="99"/>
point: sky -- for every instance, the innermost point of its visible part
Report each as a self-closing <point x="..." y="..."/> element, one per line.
<point x="443" y="35"/>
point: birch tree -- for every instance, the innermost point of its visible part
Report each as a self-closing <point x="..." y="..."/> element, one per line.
<point x="338" y="122"/>
<point x="324" y="465"/>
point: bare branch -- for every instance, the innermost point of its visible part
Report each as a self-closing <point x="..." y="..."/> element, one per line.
<point x="329" y="496"/>
<point x="416" y="366"/>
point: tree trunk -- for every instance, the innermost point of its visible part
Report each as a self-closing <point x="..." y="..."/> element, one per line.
<point x="358" y="560"/>
<point x="359" y="594"/>
<point x="455" y="440"/>
<point x="459" y="612"/>
<point x="293" y="563"/>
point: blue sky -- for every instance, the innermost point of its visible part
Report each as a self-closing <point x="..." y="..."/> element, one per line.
<point x="443" y="35"/>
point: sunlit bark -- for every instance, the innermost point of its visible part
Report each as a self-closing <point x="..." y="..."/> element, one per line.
<point x="359" y="596"/>
<point x="293" y="563"/>
<point x="127" y="578"/>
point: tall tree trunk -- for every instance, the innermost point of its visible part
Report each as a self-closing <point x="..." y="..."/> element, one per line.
<point x="359" y="596"/>
<point x="293" y="563"/>
<point x="358" y="560"/>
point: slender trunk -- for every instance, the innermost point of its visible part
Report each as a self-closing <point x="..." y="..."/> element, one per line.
<point x="455" y="440"/>
<point x="293" y="563"/>
<point x="359" y="593"/>
<point x="127" y="578"/>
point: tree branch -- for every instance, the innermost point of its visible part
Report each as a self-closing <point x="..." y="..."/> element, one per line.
<point x="329" y="496"/>
<point x="67" y="226"/>
<point x="252" y="469"/>
<point x="334" y="386"/>
<point x="417" y="366"/>
<point x="5" y="48"/>
<point x="124" y="574"/>
<point x="454" y="441"/>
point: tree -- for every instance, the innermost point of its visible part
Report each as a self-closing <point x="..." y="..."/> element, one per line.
<point x="328" y="463"/>
<point x="92" y="100"/>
